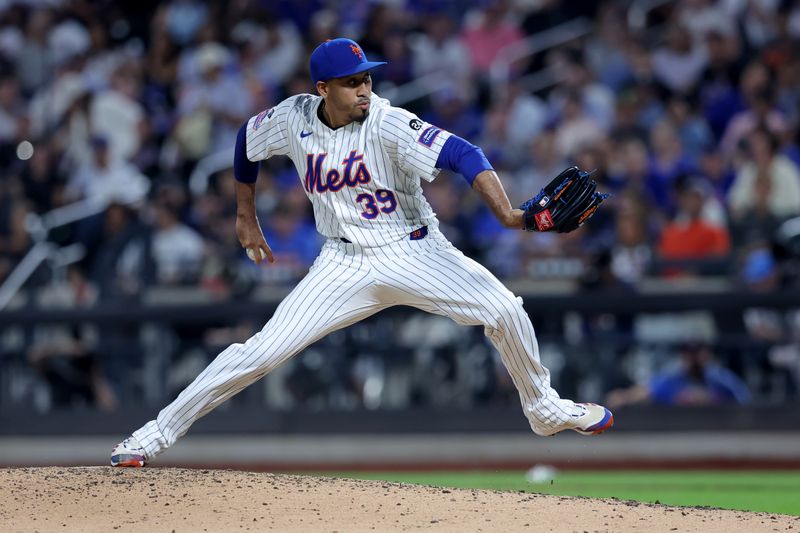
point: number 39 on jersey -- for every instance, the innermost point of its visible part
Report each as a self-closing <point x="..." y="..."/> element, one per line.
<point x="382" y="201"/>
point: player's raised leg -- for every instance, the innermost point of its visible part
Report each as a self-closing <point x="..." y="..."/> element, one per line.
<point x="337" y="292"/>
<point x="444" y="281"/>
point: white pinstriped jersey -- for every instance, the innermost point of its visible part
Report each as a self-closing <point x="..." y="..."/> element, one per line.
<point x="363" y="179"/>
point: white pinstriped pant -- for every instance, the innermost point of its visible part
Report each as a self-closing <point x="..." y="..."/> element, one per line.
<point x="348" y="283"/>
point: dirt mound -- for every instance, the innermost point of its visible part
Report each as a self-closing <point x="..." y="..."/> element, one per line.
<point x="90" y="499"/>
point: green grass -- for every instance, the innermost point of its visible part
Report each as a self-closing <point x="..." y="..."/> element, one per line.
<point x="768" y="491"/>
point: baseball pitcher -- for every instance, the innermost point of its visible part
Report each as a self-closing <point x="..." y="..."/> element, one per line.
<point x="361" y="162"/>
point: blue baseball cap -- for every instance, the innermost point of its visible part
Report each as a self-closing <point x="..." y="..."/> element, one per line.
<point x="338" y="58"/>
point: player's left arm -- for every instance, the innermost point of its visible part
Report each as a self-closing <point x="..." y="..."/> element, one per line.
<point x="422" y="149"/>
<point x="488" y="185"/>
<point x="468" y="160"/>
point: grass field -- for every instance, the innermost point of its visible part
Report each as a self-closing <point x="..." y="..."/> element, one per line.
<point x="768" y="491"/>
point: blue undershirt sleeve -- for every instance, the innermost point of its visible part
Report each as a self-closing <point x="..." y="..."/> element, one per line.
<point x="463" y="157"/>
<point x="244" y="170"/>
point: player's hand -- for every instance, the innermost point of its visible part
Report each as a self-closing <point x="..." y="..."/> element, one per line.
<point x="252" y="240"/>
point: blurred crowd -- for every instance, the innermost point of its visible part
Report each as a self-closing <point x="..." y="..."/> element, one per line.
<point x="690" y="118"/>
<point x="691" y="121"/>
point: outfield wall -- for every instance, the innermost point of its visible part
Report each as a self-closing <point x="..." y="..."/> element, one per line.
<point x="431" y="452"/>
<point x="757" y="437"/>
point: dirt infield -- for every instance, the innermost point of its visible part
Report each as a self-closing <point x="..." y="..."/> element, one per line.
<point x="91" y="499"/>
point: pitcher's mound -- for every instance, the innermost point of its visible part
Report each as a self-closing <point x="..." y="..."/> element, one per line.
<point x="104" y="499"/>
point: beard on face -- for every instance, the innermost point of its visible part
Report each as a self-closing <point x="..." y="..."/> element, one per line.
<point x="362" y="117"/>
<point x="360" y="114"/>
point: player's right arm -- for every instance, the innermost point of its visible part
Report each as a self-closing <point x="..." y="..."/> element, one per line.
<point x="261" y="137"/>
<point x="248" y="230"/>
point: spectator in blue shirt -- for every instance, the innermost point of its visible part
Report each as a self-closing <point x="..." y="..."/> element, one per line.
<point x="698" y="380"/>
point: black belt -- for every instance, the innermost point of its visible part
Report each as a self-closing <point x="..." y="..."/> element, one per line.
<point x="415" y="235"/>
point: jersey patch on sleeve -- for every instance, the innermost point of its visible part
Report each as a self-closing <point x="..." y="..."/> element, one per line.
<point x="267" y="113"/>
<point x="429" y="135"/>
<point x="415" y="124"/>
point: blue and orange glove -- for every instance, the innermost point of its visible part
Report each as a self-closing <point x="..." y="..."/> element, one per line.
<point x="564" y="204"/>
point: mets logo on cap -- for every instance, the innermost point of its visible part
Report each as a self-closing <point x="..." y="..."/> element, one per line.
<point x="357" y="51"/>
